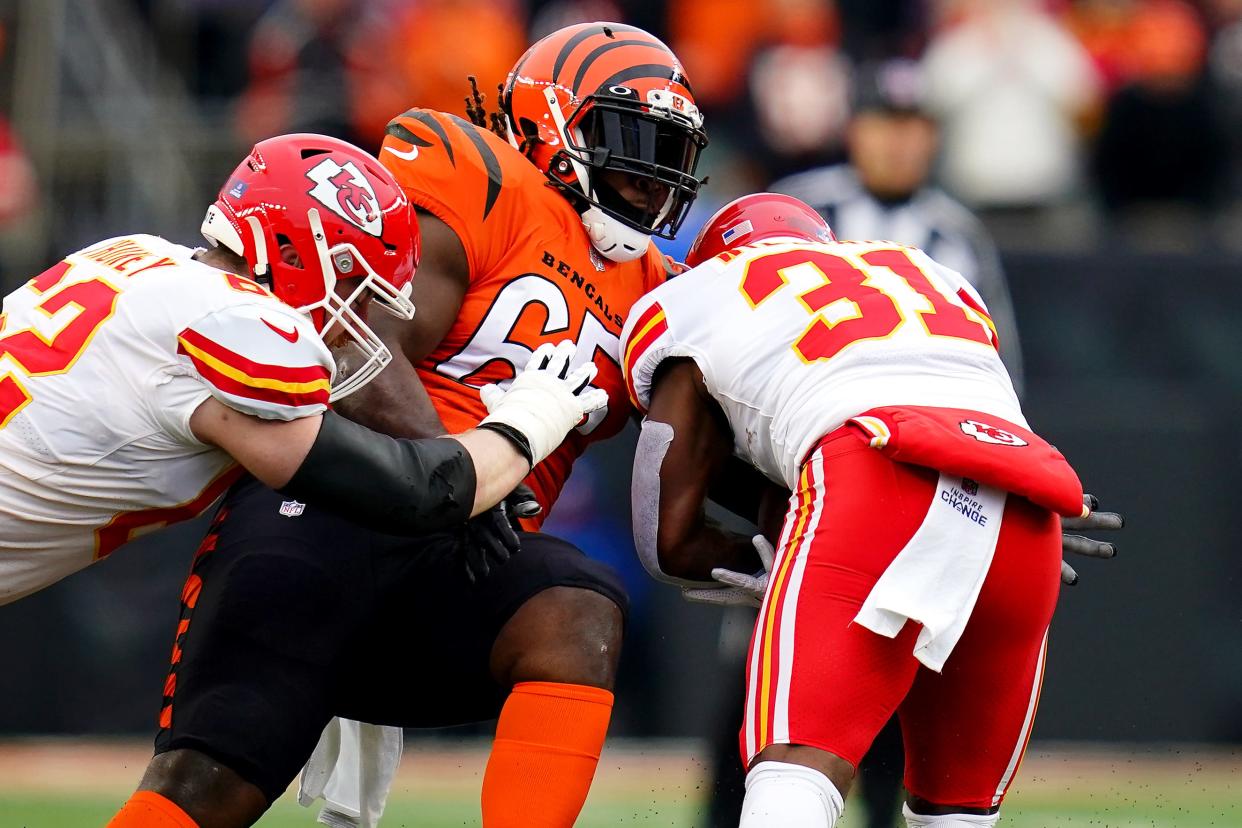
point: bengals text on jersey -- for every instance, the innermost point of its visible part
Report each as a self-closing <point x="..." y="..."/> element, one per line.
<point x="534" y="276"/>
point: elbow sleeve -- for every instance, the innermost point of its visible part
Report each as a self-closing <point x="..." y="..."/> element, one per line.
<point x="402" y="487"/>
<point x="653" y="442"/>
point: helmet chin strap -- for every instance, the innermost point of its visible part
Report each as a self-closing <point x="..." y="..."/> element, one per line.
<point x="614" y="240"/>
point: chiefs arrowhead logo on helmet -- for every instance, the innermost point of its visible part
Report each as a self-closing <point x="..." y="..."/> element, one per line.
<point x="985" y="433"/>
<point x="344" y="190"/>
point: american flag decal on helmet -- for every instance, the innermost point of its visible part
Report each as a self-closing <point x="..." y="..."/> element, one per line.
<point x="736" y="230"/>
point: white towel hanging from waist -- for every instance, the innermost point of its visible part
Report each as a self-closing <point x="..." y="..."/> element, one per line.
<point x="936" y="578"/>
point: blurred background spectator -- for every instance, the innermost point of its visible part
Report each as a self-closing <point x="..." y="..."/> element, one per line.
<point x="19" y="193"/>
<point x="300" y="58"/>
<point x="1160" y="139"/>
<point x="884" y="190"/>
<point x="1010" y="85"/>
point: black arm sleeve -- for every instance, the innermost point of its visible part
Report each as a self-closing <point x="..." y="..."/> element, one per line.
<point x="402" y="487"/>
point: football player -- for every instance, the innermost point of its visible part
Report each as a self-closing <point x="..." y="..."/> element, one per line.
<point x="140" y="378"/>
<point x="539" y="233"/>
<point x="918" y="563"/>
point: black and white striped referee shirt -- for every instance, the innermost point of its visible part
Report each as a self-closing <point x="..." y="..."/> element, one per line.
<point x="931" y="221"/>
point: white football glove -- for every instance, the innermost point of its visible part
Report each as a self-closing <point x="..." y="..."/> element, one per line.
<point x="546" y="399"/>
<point x="739" y="588"/>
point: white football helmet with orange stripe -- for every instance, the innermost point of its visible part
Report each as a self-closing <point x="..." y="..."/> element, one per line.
<point x="325" y="227"/>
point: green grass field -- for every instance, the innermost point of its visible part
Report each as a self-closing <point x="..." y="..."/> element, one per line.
<point x="69" y="784"/>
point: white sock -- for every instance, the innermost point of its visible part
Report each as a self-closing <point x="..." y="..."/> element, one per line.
<point x="782" y="795"/>
<point x="914" y="820"/>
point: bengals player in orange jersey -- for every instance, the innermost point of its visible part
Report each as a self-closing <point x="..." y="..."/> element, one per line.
<point x="532" y="233"/>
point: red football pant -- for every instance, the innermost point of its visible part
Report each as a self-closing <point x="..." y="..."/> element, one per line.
<point x="816" y="678"/>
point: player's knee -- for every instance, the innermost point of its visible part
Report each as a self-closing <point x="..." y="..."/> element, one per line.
<point x="839" y="771"/>
<point x="563" y="634"/>
<point x="789" y="796"/>
<point x="212" y="794"/>
<point x="946" y="820"/>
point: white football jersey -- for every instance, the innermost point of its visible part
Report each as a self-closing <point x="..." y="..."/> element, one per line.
<point x="794" y="338"/>
<point x="103" y="358"/>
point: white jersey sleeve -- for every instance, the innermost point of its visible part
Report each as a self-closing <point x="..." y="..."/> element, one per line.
<point x="259" y="358"/>
<point x="646" y="341"/>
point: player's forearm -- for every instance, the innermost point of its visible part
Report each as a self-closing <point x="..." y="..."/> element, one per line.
<point x="399" y="486"/>
<point x="498" y="466"/>
<point x="692" y="554"/>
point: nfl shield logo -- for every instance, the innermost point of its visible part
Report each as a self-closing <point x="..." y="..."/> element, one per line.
<point x="969" y="486"/>
<point x="291" y="508"/>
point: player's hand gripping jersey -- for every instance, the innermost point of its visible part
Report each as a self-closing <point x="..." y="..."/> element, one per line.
<point x="832" y="330"/>
<point x="534" y="276"/>
<point x="103" y="358"/>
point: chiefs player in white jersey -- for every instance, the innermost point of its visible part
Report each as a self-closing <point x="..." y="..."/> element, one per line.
<point x="918" y="559"/>
<point x="138" y="378"/>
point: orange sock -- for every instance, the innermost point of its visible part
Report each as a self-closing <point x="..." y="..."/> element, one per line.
<point x="547" y="744"/>
<point x="147" y="809"/>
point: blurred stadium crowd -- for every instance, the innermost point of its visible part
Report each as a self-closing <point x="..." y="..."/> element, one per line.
<point x="1072" y="115"/>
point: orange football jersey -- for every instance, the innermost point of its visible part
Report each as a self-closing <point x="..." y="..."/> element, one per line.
<point x="534" y="277"/>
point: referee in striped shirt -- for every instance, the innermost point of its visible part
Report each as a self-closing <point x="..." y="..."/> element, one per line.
<point x="883" y="192"/>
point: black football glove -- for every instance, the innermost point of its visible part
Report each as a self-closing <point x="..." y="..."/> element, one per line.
<point x="1088" y="547"/>
<point x="488" y="539"/>
<point x="522" y="503"/>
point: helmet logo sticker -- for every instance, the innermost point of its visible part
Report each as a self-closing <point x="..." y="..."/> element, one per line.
<point x="673" y="103"/>
<point x="736" y="230"/>
<point x="344" y="190"/>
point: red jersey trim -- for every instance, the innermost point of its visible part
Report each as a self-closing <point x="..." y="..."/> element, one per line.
<point x="649" y="328"/>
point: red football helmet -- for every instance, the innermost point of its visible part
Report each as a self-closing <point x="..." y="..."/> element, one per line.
<point x="607" y="97"/>
<point x="348" y="220"/>
<point x="753" y="218"/>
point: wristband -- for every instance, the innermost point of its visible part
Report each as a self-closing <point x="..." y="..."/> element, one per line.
<point x="516" y="437"/>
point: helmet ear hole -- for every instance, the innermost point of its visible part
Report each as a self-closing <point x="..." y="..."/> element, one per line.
<point x="310" y="214"/>
<point x="288" y="253"/>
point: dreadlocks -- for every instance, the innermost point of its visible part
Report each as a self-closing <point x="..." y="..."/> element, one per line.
<point x="495" y="121"/>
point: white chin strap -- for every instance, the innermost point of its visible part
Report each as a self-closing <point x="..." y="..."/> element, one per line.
<point x="614" y="240"/>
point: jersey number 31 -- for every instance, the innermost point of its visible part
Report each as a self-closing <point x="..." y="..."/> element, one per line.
<point x="849" y="308"/>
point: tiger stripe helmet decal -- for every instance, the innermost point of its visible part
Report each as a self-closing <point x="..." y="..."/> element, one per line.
<point x="609" y="98"/>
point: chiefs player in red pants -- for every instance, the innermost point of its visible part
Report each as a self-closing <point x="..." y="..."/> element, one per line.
<point x="918" y="563"/>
